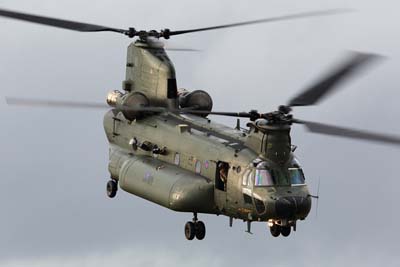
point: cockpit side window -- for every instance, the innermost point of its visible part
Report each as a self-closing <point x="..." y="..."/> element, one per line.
<point x="245" y="178"/>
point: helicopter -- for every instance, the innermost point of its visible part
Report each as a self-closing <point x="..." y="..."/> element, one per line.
<point x="165" y="149"/>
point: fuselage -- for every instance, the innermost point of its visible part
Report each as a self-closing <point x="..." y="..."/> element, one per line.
<point x="189" y="163"/>
<point x="176" y="161"/>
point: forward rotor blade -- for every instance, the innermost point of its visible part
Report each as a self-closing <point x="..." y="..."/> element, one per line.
<point x="333" y="130"/>
<point x="266" y="20"/>
<point x="205" y="112"/>
<point x="59" y="23"/>
<point x="330" y="82"/>
<point x="29" y="102"/>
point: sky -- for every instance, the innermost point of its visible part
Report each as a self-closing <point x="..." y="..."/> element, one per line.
<point x="54" y="161"/>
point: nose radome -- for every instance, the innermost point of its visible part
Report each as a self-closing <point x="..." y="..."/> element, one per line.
<point x="291" y="207"/>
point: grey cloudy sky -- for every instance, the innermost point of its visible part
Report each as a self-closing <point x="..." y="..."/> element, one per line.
<point x="54" y="162"/>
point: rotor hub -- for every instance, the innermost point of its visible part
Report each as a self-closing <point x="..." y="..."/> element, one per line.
<point x="143" y="35"/>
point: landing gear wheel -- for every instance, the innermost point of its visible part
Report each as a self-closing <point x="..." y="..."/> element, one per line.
<point x="285" y="231"/>
<point x="275" y="230"/>
<point x="200" y="230"/>
<point x="112" y="188"/>
<point x="190" y="230"/>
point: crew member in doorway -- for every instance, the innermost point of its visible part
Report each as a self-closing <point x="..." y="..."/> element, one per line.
<point x="223" y="173"/>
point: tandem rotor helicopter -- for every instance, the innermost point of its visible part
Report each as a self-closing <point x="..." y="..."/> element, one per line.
<point x="164" y="148"/>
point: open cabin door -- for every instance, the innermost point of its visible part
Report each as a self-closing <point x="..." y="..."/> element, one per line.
<point x="221" y="183"/>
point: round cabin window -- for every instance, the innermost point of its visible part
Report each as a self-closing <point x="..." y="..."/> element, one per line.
<point x="177" y="159"/>
<point x="198" y="166"/>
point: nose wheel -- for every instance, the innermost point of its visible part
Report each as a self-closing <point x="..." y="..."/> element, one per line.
<point x="277" y="230"/>
<point x="195" y="228"/>
<point x="285" y="231"/>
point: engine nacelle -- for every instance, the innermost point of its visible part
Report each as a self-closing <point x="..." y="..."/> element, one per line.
<point x="126" y="103"/>
<point x="198" y="100"/>
<point x="134" y="100"/>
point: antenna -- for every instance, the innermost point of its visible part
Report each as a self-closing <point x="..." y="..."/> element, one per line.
<point x="316" y="209"/>
<point x="316" y="197"/>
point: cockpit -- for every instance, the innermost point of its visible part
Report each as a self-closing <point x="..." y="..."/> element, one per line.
<point x="263" y="175"/>
<point x="276" y="202"/>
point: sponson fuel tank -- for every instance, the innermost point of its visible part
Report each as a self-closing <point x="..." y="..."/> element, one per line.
<point x="166" y="185"/>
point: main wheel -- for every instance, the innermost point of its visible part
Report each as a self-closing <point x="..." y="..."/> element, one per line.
<point x="275" y="230"/>
<point x="190" y="230"/>
<point x="112" y="188"/>
<point x="200" y="230"/>
<point x="285" y="231"/>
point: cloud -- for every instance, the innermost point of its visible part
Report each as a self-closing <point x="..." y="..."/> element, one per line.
<point x="54" y="162"/>
<point x="156" y="256"/>
<point x="133" y="256"/>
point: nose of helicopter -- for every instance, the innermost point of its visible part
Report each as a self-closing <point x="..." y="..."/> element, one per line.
<point x="293" y="207"/>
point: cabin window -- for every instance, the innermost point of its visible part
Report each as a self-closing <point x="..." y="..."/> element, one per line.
<point x="238" y="169"/>
<point x="177" y="158"/>
<point x="198" y="166"/>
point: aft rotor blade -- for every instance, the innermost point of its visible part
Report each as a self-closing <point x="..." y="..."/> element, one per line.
<point x="330" y="82"/>
<point x="333" y="130"/>
<point x="177" y="49"/>
<point x="59" y="23"/>
<point x="156" y="43"/>
<point x="266" y="20"/>
<point x="28" y="102"/>
<point x="54" y="103"/>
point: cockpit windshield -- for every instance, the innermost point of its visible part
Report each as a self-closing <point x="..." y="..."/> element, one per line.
<point x="263" y="177"/>
<point x="296" y="176"/>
